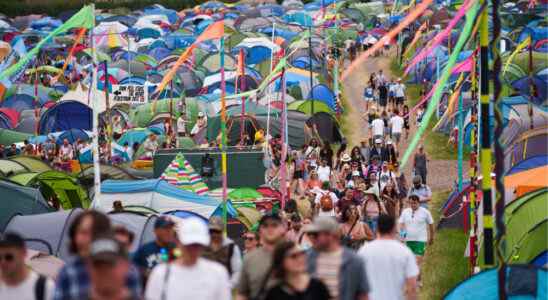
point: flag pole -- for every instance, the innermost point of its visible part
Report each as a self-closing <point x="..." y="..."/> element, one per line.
<point x="223" y="131"/>
<point x="95" y="104"/>
<point x="283" y="164"/>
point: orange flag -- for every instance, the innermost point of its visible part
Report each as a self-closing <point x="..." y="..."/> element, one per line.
<point x="71" y="52"/>
<point x="214" y="31"/>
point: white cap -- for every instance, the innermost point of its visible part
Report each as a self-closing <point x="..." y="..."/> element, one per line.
<point x="389" y="142"/>
<point x="355" y="173"/>
<point x="193" y="231"/>
<point x="200" y="114"/>
<point x="378" y="141"/>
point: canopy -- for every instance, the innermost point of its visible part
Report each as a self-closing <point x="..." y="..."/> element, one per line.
<point x="154" y="193"/>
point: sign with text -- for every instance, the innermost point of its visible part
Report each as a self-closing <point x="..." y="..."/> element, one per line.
<point x="130" y="94"/>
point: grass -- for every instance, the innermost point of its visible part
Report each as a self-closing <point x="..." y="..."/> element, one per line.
<point x="444" y="264"/>
<point x="435" y="143"/>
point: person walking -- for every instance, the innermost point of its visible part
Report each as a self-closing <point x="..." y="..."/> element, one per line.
<point x="19" y="281"/>
<point x="417" y="228"/>
<point x="338" y="267"/>
<point x="398" y="278"/>
<point x="354" y="232"/>
<point x="396" y="126"/>
<point x="419" y="164"/>
<point x="422" y="191"/>
<point x="289" y="267"/>
<point x="190" y="276"/>
<point x="255" y="277"/>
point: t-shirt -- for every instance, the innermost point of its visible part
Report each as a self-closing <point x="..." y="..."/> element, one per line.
<point x="397" y="124"/>
<point x="416" y="223"/>
<point x="384" y="178"/>
<point x="378" y="127"/>
<point x="206" y="280"/>
<point x="150" y="255"/>
<point x="256" y="266"/>
<point x="316" y="290"/>
<point x="26" y="289"/>
<point x="181" y="125"/>
<point x="318" y="199"/>
<point x="324" y="173"/>
<point x="399" y="90"/>
<point x="397" y="263"/>
<point x="328" y="269"/>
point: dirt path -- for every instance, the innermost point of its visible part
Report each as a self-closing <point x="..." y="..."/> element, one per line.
<point x="441" y="173"/>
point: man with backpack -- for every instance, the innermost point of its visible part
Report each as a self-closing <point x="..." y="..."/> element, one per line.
<point x="326" y="201"/>
<point x="223" y="250"/>
<point x="19" y="281"/>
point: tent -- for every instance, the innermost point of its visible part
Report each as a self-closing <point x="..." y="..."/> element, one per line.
<point x="57" y="185"/>
<point x="326" y="126"/>
<point x="19" y="200"/>
<point x="182" y="175"/>
<point x="523" y="282"/>
<point x="305" y="106"/>
<point x="527" y="181"/>
<point x="526" y="227"/>
<point x="66" y="115"/>
<point x="323" y="93"/>
<point x="31" y="163"/>
<point x="154" y="193"/>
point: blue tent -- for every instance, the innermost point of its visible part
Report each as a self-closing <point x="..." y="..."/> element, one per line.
<point x="157" y="194"/>
<point x="523" y="282"/>
<point x="540" y="83"/>
<point x="527" y="164"/>
<point x="19" y="102"/>
<point x="323" y="93"/>
<point x="159" y="53"/>
<point x="72" y="135"/>
<point x="254" y="55"/>
<point x="66" y="115"/>
<point x="299" y="17"/>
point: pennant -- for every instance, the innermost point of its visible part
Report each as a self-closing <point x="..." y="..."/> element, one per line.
<point x="413" y="15"/>
<point x="214" y="31"/>
<point x="471" y="17"/>
<point x="84" y="18"/>
<point x="439" y="37"/>
<point x="521" y="46"/>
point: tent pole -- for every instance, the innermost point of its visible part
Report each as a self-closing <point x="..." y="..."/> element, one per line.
<point x="95" y="104"/>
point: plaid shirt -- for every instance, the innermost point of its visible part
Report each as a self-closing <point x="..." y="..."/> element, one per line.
<point x="73" y="282"/>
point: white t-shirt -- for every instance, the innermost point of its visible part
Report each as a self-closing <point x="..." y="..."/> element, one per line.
<point x="416" y="223"/>
<point x="324" y="173"/>
<point x="319" y="196"/>
<point x="399" y="90"/>
<point x="384" y="178"/>
<point x="397" y="263"/>
<point x="206" y="280"/>
<point x="397" y="124"/>
<point x="181" y="125"/>
<point x="378" y="126"/>
<point x="25" y="290"/>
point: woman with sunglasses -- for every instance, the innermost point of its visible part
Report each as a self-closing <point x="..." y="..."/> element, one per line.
<point x="289" y="267"/>
<point x="251" y="241"/>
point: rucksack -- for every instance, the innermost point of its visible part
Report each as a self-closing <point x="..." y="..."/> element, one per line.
<point x="222" y="256"/>
<point x="40" y="288"/>
<point x="326" y="203"/>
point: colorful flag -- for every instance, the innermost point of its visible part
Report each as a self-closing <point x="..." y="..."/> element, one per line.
<point x="182" y="175"/>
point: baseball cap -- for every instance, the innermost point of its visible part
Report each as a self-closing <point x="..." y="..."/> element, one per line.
<point x="163" y="222"/>
<point x="389" y="142"/>
<point x="270" y="217"/>
<point x="355" y="173"/>
<point x="200" y="114"/>
<point x="106" y="249"/>
<point x="417" y="179"/>
<point x="193" y="232"/>
<point x="215" y="223"/>
<point x="378" y="141"/>
<point x="11" y="239"/>
<point x="323" y="224"/>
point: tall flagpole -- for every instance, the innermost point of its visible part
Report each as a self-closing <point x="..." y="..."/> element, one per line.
<point x="271" y="90"/>
<point x="223" y="131"/>
<point x="283" y="164"/>
<point x="95" y="109"/>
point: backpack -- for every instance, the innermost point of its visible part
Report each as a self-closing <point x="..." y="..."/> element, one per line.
<point x="40" y="288"/>
<point x="222" y="256"/>
<point x="326" y="203"/>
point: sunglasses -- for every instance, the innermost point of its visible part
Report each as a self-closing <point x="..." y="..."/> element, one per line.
<point x="295" y="254"/>
<point x="249" y="238"/>
<point x="9" y="257"/>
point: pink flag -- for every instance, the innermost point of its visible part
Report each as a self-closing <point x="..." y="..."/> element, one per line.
<point x="464" y="66"/>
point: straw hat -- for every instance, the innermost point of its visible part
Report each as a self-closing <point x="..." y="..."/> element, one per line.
<point x="346" y="157"/>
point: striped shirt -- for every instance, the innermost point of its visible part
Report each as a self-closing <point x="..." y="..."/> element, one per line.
<point x="329" y="266"/>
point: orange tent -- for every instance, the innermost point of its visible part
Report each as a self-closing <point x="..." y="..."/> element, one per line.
<point x="526" y="181"/>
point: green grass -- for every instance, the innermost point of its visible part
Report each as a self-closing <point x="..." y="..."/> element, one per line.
<point x="444" y="264"/>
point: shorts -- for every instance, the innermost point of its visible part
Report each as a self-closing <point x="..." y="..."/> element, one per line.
<point x="369" y="99"/>
<point x="396" y="136"/>
<point x="418" y="248"/>
<point x="400" y="100"/>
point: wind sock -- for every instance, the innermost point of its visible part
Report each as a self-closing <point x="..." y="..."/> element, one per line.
<point x="520" y="47"/>
<point x="412" y="16"/>
<point x="214" y="31"/>
<point x="470" y="19"/>
<point x="439" y="37"/>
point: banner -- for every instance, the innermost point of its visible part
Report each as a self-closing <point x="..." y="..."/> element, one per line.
<point x="471" y="17"/>
<point x="439" y="37"/>
<point x="520" y="47"/>
<point x="412" y="16"/>
<point x="129" y="94"/>
<point x="82" y="19"/>
<point x="418" y="34"/>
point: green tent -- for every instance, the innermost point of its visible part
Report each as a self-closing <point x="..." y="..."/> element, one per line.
<point x="243" y="194"/>
<point x="305" y="106"/>
<point x="144" y="114"/>
<point x="31" y="163"/>
<point x="249" y="216"/>
<point x="58" y="185"/>
<point x="526" y="227"/>
<point x="10" y="167"/>
<point x="17" y="199"/>
<point x="8" y="137"/>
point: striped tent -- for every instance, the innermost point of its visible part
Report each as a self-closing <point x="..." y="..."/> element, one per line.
<point x="181" y="174"/>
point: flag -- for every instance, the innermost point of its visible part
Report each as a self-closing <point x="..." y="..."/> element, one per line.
<point x="520" y="47"/>
<point x="182" y="175"/>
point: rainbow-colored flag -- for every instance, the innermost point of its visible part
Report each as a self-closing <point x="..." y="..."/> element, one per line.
<point x="181" y="174"/>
